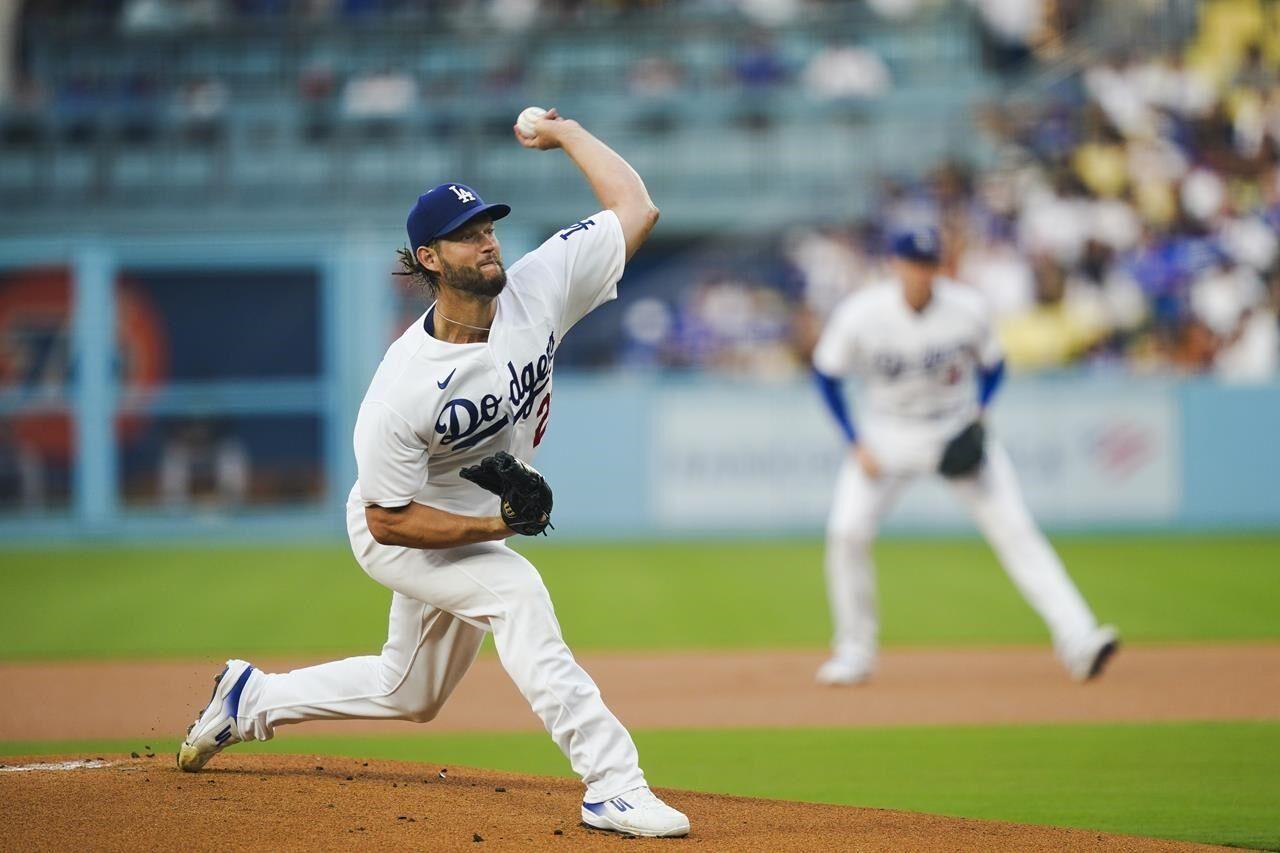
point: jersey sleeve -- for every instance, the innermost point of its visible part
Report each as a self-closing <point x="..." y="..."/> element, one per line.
<point x="390" y="459"/>
<point x="585" y="261"/>
<point x="838" y="345"/>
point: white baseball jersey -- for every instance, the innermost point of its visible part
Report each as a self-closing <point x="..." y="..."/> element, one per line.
<point x="434" y="407"/>
<point x="921" y="388"/>
<point x="919" y="369"/>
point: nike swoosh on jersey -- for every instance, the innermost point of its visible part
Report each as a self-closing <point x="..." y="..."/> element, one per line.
<point x="444" y="384"/>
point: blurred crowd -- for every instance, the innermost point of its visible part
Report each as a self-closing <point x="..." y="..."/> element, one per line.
<point x="1130" y="221"/>
<point x="1128" y="215"/>
<point x="141" y="99"/>
<point x="1138" y="224"/>
<point x="1029" y="23"/>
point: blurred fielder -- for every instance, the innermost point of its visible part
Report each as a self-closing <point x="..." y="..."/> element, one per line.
<point x="922" y="343"/>
<point x="457" y="402"/>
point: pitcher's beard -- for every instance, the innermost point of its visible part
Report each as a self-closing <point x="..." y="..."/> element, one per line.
<point x="473" y="280"/>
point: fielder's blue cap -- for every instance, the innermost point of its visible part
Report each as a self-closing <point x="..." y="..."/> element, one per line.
<point x="920" y="244"/>
<point x="447" y="208"/>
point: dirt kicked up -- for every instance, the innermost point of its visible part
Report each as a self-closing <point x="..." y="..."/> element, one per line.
<point x="262" y="802"/>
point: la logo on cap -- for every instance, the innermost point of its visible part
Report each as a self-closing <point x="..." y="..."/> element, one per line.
<point x="464" y="196"/>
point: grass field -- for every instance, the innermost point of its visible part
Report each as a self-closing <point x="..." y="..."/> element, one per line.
<point x="1204" y="781"/>
<point x="136" y="603"/>
<point x="1212" y="782"/>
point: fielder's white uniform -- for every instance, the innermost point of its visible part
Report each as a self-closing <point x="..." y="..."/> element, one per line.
<point x="434" y="407"/>
<point x="920" y="380"/>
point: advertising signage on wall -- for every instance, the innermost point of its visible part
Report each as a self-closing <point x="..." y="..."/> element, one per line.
<point x="724" y="459"/>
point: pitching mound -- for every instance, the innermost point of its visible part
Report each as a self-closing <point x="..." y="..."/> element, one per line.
<point x="261" y="802"/>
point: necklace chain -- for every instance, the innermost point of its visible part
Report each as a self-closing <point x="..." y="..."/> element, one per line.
<point x="463" y="325"/>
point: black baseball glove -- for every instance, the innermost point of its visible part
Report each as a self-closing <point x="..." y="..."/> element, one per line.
<point x="962" y="457"/>
<point x="526" y="497"/>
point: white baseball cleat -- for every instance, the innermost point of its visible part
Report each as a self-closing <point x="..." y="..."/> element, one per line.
<point x="637" y="812"/>
<point x="216" y="728"/>
<point x="840" y="672"/>
<point x="1088" y="662"/>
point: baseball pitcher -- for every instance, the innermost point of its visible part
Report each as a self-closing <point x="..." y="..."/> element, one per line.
<point x="442" y="442"/>
<point x="922" y="344"/>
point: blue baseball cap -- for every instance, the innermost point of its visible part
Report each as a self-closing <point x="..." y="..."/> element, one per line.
<point x="447" y="208"/>
<point x="920" y="244"/>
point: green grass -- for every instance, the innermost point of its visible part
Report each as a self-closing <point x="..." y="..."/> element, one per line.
<point x="170" y="602"/>
<point x="1211" y="782"/>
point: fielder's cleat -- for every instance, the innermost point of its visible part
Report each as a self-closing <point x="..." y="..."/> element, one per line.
<point x="216" y="728"/>
<point x="1088" y="664"/>
<point x="637" y="812"/>
<point x="841" y="672"/>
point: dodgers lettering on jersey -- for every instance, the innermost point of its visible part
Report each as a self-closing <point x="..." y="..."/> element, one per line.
<point x="916" y="366"/>
<point x="434" y="407"/>
<point x="530" y="381"/>
<point x="464" y="423"/>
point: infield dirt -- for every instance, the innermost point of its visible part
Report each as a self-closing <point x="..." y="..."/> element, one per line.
<point x="704" y="690"/>
<point x="260" y="802"/>
<point x="276" y="802"/>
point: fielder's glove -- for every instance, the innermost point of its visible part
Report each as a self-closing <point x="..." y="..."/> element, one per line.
<point x="963" y="454"/>
<point x="526" y="497"/>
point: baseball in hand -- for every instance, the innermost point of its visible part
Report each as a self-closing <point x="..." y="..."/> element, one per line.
<point x="528" y="120"/>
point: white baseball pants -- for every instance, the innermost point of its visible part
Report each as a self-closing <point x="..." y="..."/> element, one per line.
<point x="443" y="604"/>
<point x="995" y="502"/>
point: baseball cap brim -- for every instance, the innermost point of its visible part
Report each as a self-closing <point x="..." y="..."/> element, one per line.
<point x="495" y="211"/>
<point x="918" y="257"/>
<point x="908" y="246"/>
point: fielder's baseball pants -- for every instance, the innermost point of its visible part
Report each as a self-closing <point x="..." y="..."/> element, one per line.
<point x="444" y="603"/>
<point x="995" y="503"/>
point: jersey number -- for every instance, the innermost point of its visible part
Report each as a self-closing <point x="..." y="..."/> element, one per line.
<point x="544" y="414"/>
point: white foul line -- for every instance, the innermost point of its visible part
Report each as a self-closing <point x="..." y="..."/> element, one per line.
<point x="58" y="765"/>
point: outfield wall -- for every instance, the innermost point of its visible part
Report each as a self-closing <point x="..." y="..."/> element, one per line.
<point x="115" y="346"/>
<point x="635" y="456"/>
<point x="698" y="456"/>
